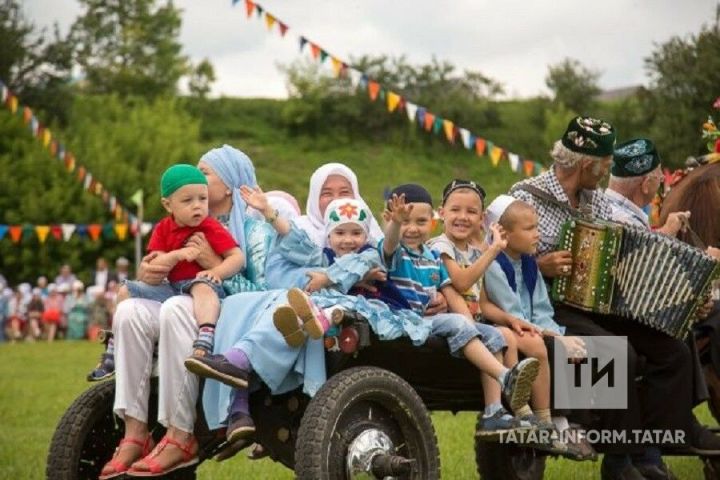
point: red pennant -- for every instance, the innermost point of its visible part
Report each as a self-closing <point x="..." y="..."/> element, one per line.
<point x="27" y="114"/>
<point x="480" y="146"/>
<point x="528" y="167"/>
<point x="373" y="89"/>
<point x="94" y="230"/>
<point x="81" y="173"/>
<point x="15" y="233"/>
<point x="249" y="7"/>
<point x="315" y="50"/>
<point x="429" y="121"/>
<point x="53" y="147"/>
<point x="56" y="232"/>
<point x="283" y="28"/>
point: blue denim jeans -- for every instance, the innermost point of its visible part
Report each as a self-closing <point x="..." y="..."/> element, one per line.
<point x="165" y="290"/>
<point x="458" y="331"/>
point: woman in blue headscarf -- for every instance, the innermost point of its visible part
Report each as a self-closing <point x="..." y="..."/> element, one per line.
<point x="139" y="324"/>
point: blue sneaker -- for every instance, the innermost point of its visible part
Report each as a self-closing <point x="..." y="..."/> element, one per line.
<point x="104" y="370"/>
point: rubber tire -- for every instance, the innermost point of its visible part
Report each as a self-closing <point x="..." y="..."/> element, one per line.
<point x="496" y="461"/>
<point x="88" y="432"/>
<point x="336" y="415"/>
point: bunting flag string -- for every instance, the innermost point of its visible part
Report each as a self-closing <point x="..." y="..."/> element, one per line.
<point x="65" y="231"/>
<point x="395" y="102"/>
<point x="57" y="150"/>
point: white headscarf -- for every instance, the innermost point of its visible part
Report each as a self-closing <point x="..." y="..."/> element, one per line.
<point x="312" y="222"/>
<point x="494" y="211"/>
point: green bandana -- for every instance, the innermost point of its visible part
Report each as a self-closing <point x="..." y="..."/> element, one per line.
<point x="635" y="158"/>
<point x="179" y="175"/>
<point x="589" y="136"/>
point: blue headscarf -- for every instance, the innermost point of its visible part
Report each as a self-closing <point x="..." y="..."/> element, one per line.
<point x="234" y="169"/>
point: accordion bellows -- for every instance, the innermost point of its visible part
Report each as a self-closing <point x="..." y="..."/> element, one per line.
<point x="634" y="273"/>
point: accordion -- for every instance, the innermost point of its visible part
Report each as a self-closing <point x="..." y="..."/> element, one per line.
<point x="634" y="273"/>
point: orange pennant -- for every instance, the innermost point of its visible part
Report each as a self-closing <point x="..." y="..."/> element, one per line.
<point x="495" y="155"/>
<point x="315" y="50"/>
<point x="53" y="147"/>
<point x="449" y="128"/>
<point x="480" y="146"/>
<point x="27" y="114"/>
<point x="94" y="230"/>
<point x="249" y="7"/>
<point x="121" y="230"/>
<point x="429" y="121"/>
<point x="15" y="233"/>
<point x="69" y="161"/>
<point x="269" y="21"/>
<point x="393" y="99"/>
<point x="81" y="173"/>
<point x="373" y="89"/>
<point x="528" y="167"/>
<point x="42" y="232"/>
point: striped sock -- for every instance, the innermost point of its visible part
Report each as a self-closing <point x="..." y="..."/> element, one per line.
<point x="206" y="338"/>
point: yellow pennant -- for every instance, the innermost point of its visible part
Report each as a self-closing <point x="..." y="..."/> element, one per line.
<point x="495" y="156"/>
<point x="121" y="230"/>
<point x="449" y="128"/>
<point x="337" y="66"/>
<point x="269" y="21"/>
<point x="47" y="136"/>
<point x="42" y="232"/>
<point x="393" y="99"/>
<point x="13" y="104"/>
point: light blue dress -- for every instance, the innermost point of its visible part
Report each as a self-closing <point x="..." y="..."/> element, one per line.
<point x="538" y="310"/>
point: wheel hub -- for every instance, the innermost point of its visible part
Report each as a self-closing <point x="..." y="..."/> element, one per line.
<point x="363" y="449"/>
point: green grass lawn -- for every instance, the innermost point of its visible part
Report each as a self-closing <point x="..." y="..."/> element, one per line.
<point x="39" y="381"/>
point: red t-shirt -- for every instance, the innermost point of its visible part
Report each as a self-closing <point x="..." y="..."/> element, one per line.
<point x="168" y="236"/>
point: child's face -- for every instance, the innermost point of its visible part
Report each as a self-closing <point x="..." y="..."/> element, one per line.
<point x="188" y="205"/>
<point x="416" y="230"/>
<point x="462" y="214"/>
<point x="524" y="235"/>
<point x="347" y="238"/>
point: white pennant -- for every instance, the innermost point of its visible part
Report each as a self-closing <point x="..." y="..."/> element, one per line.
<point x="514" y="161"/>
<point x="411" y="110"/>
<point x="34" y="125"/>
<point x="3" y="93"/>
<point x="145" y="228"/>
<point x="67" y="229"/>
<point x="88" y="179"/>
<point x="355" y="76"/>
<point x="465" y="135"/>
<point x="112" y="202"/>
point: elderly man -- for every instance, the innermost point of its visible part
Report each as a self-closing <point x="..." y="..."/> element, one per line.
<point x="581" y="160"/>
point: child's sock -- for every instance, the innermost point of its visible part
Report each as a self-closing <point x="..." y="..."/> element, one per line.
<point x="543" y="414"/>
<point x="524" y="411"/>
<point x="492" y="409"/>
<point x="205" y="339"/>
<point x="110" y="350"/>
<point x="501" y="378"/>
<point x="238" y="358"/>
<point x="240" y="402"/>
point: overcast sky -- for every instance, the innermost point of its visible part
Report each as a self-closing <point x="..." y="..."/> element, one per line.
<point x="508" y="40"/>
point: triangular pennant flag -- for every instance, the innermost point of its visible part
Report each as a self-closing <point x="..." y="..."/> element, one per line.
<point x="323" y="55"/>
<point x="42" y="232"/>
<point x="303" y="41"/>
<point x="528" y="167"/>
<point x="69" y="161"/>
<point x="67" y="230"/>
<point x="3" y="93"/>
<point x="538" y="168"/>
<point x="108" y="231"/>
<point x="393" y="99"/>
<point x="495" y="155"/>
<point x="88" y="181"/>
<point x="514" y="162"/>
<point x="81" y="173"/>
<point x="449" y="128"/>
<point x="94" y="230"/>
<point x="421" y="114"/>
<point x="259" y="10"/>
<point x="27" y="230"/>
<point x="337" y="65"/>
<point x="437" y="125"/>
<point x="480" y="146"/>
<point x="373" y="89"/>
<point x="411" y="111"/>
<point x="34" y="126"/>
<point x="3" y="229"/>
<point x="355" y="76"/>
<point x="60" y="152"/>
<point x="27" y="115"/>
<point x="363" y="83"/>
<point x="97" y="188"/>
<point x="46" y="137"/>
<point x="13" y="104"/>
<point x="53" y="147"/>
<point x="121" y="230"/>
<point x="56" y="232"/>
<point x="465" y="137"/>
<point x="429" y="121"/>
<point x="16" y="233"/>
<point x="314" y="50"/>
<point x="145" y="228"/>
<point x="269" y="21"/>
<point x="283" y="28"/>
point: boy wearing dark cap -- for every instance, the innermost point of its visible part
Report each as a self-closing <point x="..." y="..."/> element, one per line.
<point x="419" y="274"/>
<point x="185" y="197"/>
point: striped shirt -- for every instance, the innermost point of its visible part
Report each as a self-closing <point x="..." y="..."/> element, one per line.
<point x="418" y="275"/>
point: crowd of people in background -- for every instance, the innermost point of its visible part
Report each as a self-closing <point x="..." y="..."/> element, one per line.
<point x="64" y="308"/>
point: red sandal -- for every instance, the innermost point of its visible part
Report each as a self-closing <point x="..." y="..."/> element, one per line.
<point x="119" y="468"/>
<point x="153" y="469"/>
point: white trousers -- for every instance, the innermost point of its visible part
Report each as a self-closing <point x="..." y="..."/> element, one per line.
<point x="138" y="324"/>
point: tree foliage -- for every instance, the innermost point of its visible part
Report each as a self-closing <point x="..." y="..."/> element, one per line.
<point x="573" y="85"/>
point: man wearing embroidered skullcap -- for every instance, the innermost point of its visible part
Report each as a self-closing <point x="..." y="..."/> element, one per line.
<point x="570" y="188"/>
<point x="635" y="176"/>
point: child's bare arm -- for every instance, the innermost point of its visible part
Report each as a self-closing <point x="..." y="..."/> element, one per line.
<point x="500" y="317"/>
<point x="465" y="278"/>
<point x="456" y="304"/>
<point x="257" y="199"/>
<point x="399" y="212"/>
<point x="170" y="259"/>
<point x="233" y="262"/>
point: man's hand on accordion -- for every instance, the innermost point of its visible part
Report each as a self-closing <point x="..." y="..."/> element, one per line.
<point x="555" y="264"/>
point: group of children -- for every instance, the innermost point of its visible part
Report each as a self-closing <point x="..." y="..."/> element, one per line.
<point x="489" y="322"/>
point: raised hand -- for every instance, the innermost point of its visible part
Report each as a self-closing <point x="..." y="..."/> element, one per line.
<point x="255" y="198"/>
<point x="499" y="241"/>
<point x="399" y="210"/>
